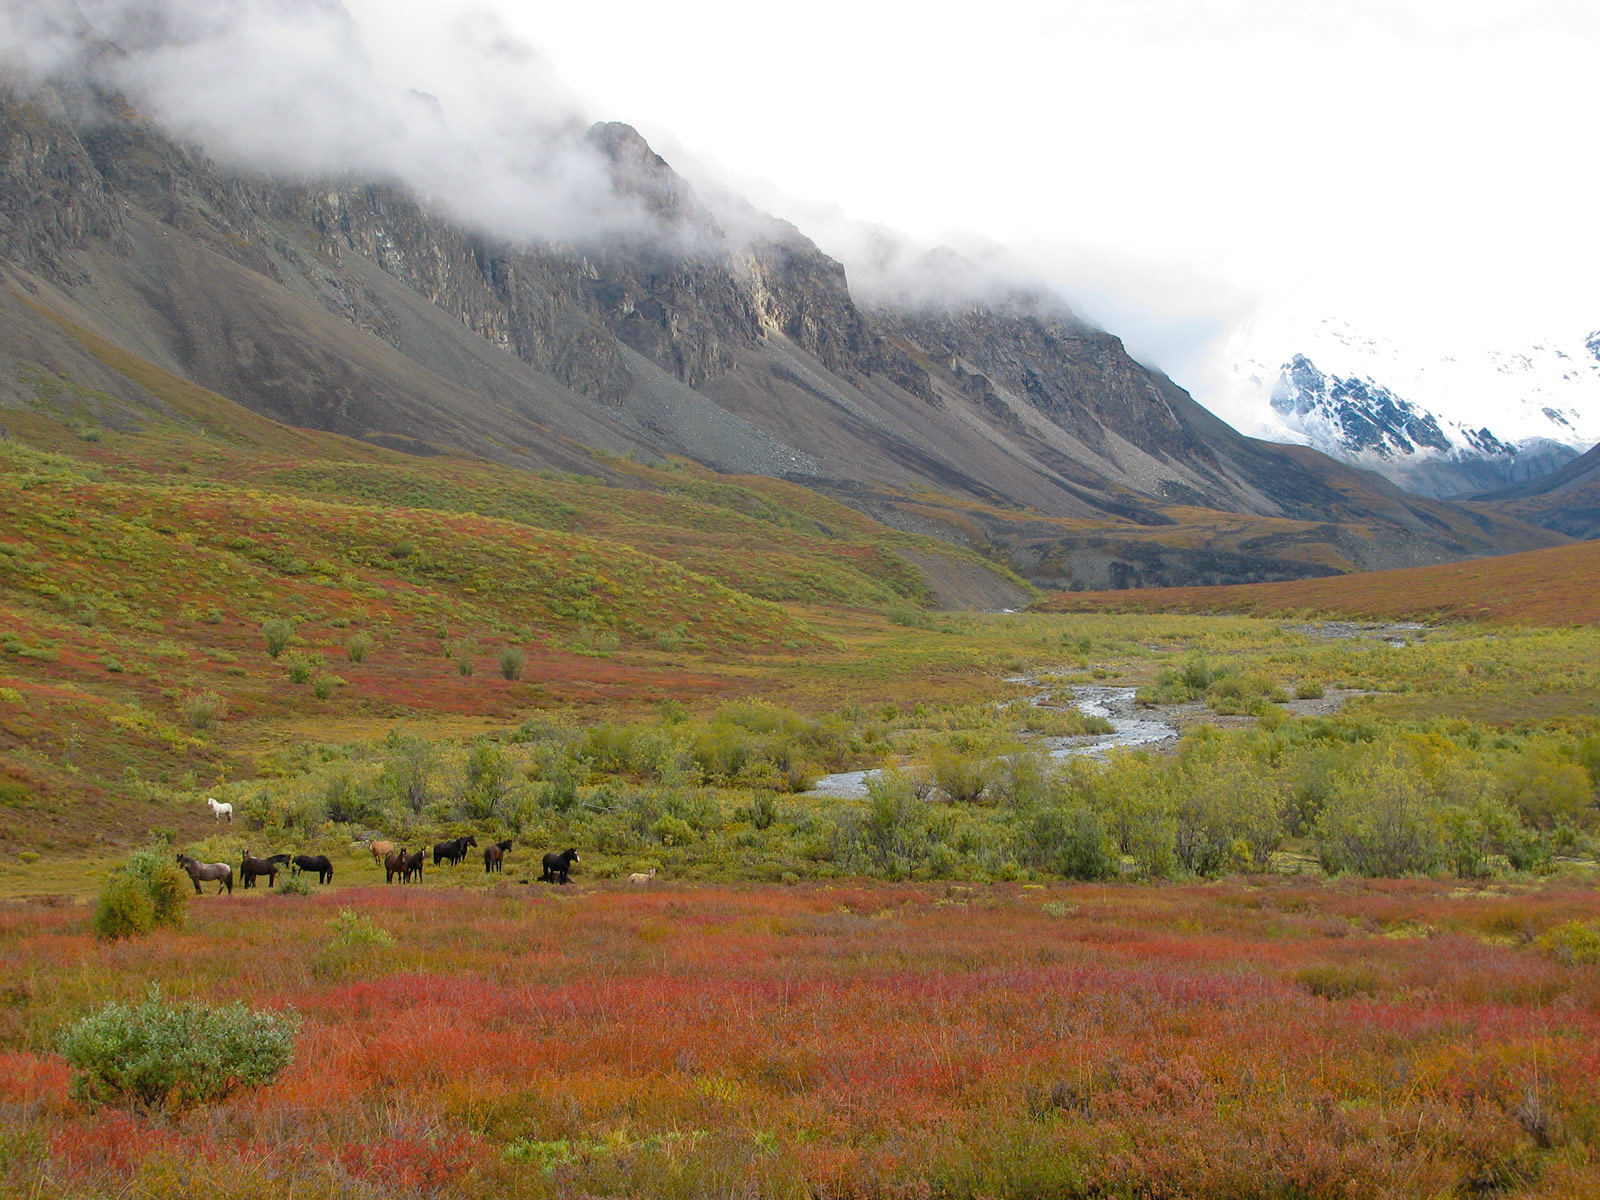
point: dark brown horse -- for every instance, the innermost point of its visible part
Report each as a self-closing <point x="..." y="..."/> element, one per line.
<point x="313" y="862"/>
<point x="252" y="867"/>
<point x="453" y="851"/>
<point x="494" y="856"/>
<point x="556" y="866"/>
<point x="222" y="873"/>
<point x="413" y="867"/>
<point x="394" y="863"/>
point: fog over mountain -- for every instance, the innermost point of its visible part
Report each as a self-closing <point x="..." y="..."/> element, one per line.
<point x="287" y="87"/>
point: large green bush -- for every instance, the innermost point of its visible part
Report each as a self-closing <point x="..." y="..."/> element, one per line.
<point x="162" y="1054"/>
<point x="145" y="892"/>
<point x="1071" y="842"/>
<point x="277" y="633"/>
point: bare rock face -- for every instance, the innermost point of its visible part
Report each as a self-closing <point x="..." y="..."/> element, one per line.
<point x="52" y="199"/>
<point x="1080" y="377"/>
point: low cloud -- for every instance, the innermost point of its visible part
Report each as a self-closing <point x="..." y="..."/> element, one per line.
<point x="288" y="87"/>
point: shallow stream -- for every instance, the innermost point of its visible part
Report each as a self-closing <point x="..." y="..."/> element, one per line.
<point x="1116" y="704"/>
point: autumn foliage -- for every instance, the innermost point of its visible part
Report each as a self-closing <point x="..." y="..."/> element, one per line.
<point x="1265" y="1038"/>
<point x="1538" y="587"/>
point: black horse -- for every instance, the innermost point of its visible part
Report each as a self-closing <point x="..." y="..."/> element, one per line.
<point x="252" y="867"/>
<point x="280" y="861"/>
<point x="556" y="866"/>
<point x="313" y="862"/>
<point x="494" y="856"/>
<point x="413" y="867"/>
<point x="221" y="872"/>
<point x="452" y="851"/>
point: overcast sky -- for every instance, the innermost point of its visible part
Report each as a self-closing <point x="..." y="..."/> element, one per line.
<point x="1171" y="163"/>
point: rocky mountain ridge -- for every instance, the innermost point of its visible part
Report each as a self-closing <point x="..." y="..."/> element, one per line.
<point x="354" y="306"/>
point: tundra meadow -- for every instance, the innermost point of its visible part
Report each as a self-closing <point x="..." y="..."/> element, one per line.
<point x="1337" y="936"/>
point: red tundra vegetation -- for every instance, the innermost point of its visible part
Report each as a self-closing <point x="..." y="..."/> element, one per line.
<point x="1271" y="1038"/>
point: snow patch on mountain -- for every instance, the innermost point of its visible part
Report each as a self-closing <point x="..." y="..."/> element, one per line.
<point x="1436" y="419"/>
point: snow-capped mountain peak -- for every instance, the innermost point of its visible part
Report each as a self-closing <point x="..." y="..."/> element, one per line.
<point x="1438" y="420"/>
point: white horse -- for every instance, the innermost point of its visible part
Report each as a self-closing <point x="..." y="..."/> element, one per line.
<point x="219" y="810"/>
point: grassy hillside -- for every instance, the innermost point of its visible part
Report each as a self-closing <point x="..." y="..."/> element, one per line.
<point x="1540" y="587"/>
<point x="194" y="599"/>
<point x="151" y="536"/>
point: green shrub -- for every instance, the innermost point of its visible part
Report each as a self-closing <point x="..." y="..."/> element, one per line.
<point x="277" y="633"/>
<point x="1575" y="943"/>
<point x="905" y="614"/>
<point x="1379" y="818"/>
<point x="1072" y="842"/>
<point x="299" y="669"/>
<point x="351" y="928"/>
<point x="343" y="800"/>
<point x="961" y="777"/>
<point x="147" y="891"/>
<point x="358" y="647"/>
<point x="324" y="686"/>
<point x="167" y="1055"/>
<point x="511" y="660"/>
<point x="464" y="665"/>
<point x="293" y="885"/>
<point x="764" y="810"/>
<point x="488" y="779"/>
<point x="124" y="909"/>
<point x="204" y="709"/>
<point x="673" y="831"/>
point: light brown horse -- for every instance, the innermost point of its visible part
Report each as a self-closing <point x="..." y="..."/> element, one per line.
<point x="221" y="873"/>
<point x="379" y="849"/>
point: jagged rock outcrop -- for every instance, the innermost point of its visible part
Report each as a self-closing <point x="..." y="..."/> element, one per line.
<point x="53" y="200"/>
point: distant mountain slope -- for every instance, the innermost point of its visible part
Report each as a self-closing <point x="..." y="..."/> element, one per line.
<point x="1540" y="587"/>
<point x="1567" y="501"/>
<point x="352" y="307"/>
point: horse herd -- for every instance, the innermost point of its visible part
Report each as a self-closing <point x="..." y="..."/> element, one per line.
<point x="397" y="862"/>
<point x="406" y="865"/>
<point x="252" y="868"/>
